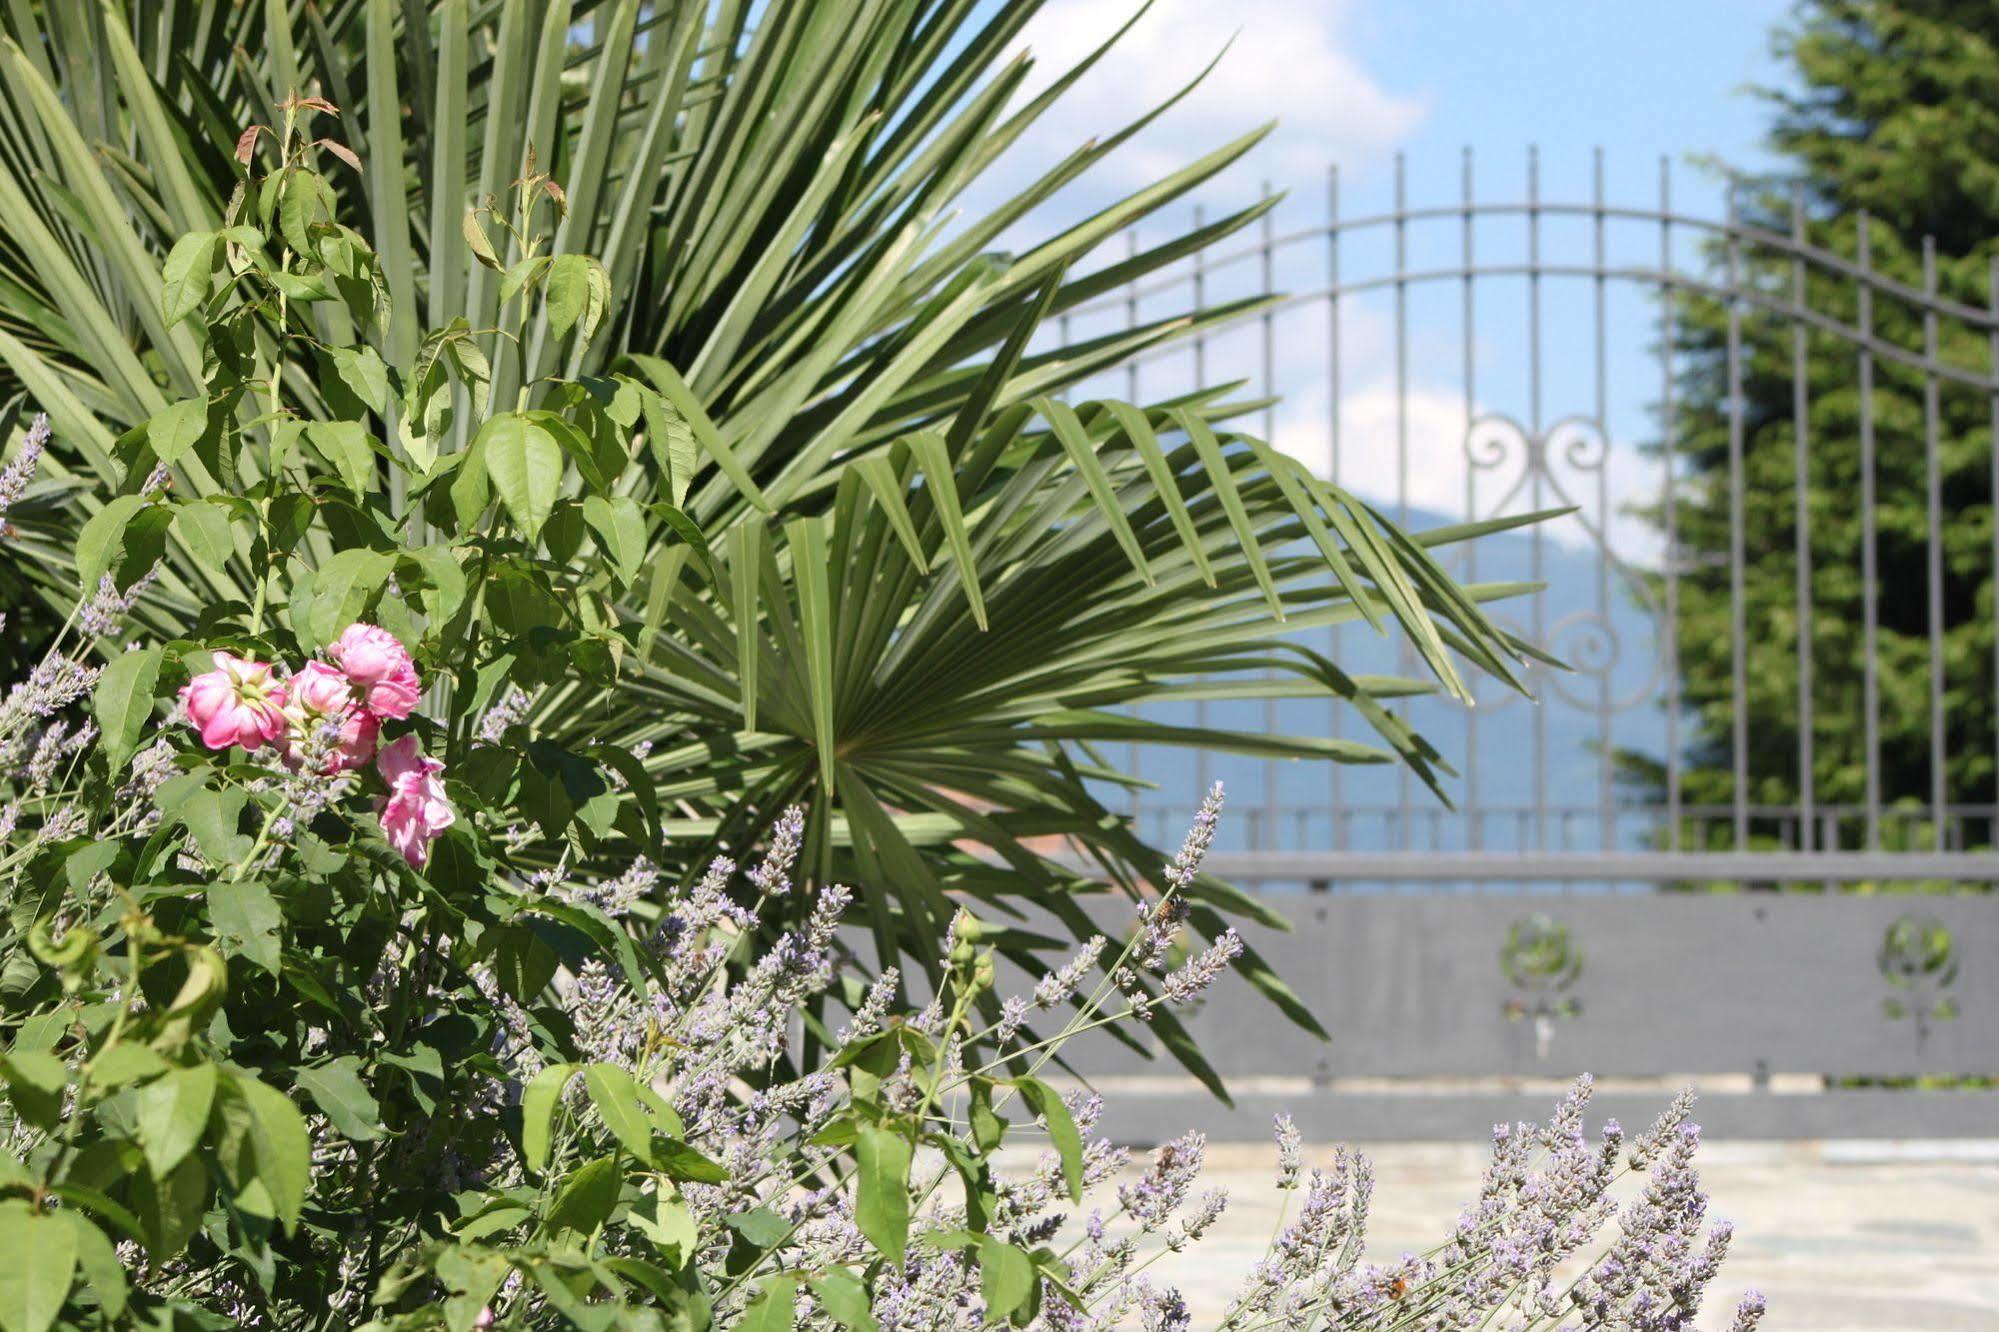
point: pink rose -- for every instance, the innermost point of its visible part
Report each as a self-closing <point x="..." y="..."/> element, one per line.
<point x="380" y="669"/>
<point x="415" y="813"/>
<point x="238" y="703"/>
<point x="318" y="696"/>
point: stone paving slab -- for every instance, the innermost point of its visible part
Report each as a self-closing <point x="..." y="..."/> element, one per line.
<point x="1839" y="1237"/>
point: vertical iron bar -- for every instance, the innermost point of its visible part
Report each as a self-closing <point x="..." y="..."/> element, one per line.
<point x="1131" y="317"/>
<point x="1801" y="522"/>
<point x="1475" y="826"/>
<point x="1992" y="452"/>
<point x="1202" y="780"/>
<point x="1933" y="497"/>
<point x="1271" y="770"/>
<point x="1668" y="331"/>
<point x="1536" y="460"/>
<point x="1869" y="545"/>
<point x="1133" y="751"/>
<point x="1738" y="669"/>
<point x="1606" y="757"/>
<point x="1404" y="790"/>
<point x="1336" y="775"/>
<point x="1062" y="333"/>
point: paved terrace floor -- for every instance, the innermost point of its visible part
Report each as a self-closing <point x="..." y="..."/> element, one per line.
<point x="1840" y="1237"/>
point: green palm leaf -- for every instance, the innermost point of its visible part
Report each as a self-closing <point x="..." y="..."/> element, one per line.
<point x="887" y="572"/>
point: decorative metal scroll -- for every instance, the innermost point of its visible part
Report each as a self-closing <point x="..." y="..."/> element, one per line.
<point x="1542" y="963"/>
<point x="1508" y="304"/>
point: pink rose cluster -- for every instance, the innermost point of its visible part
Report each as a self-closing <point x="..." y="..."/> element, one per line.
<point x="337" y="705"/>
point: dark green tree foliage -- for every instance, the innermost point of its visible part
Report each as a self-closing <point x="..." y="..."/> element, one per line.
<point x="1895" y="116"/>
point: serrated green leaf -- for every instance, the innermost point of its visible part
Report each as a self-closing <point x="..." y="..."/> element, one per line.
<point x="336" y="1088"/>
<point x="35" y="1084"/>
<point x="1006" y="1276"/>
<point x="247" y="922"/>
<point x="204" y="528"/>
<point x="41" y="1262"/>
<point x="362" y="371"/>
<point x="283" y="1148"/>
<point x="620" y="526"/>
<point x="525" y="464"/>
<point x="881" y="1190"/>
<point x="538" y="1105"/>
<point x="122" y="703"/>
<point x="567" y="292"/>
<point x="587" y="1198"/>
<point x="772" y="1308"/>
<point x="172" y="1113"/>
<point x="346" y="448"/>
<point x="1062" y="1131"/>
<point x="103" y="1273"/>
<point x="184" y="277"/>
<point x="844" y="1298"/>
<point x="341" y="590"/>
<point x="616" y="1096"/>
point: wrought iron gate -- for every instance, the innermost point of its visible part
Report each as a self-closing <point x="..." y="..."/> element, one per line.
<point x="1476" y="357"/>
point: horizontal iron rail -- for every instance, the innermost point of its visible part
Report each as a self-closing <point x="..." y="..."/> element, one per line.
<point x="1778" y="244"/>
<point x="1636" y="275"/>
<point x="1389" y="1117"/>
<point x="1588" y="866"/>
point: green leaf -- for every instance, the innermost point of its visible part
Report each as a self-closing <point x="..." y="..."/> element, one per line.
<point x="122" y="703"/>
<point x="170" y="1212"/>
<point x="336" y="1088"/>
<point x="525" y="465"/>
<point x="184" y="277"/>
<point x="172" y="1113"/>
<point x="123" y="539"/>
<point x="41" y="1260"/>
<point x="760" y="1227"/>
<point x="171" y="433"/>
<point x="103" y="1274"/>
<point x="347" y="449"/>
<point x="881" y="1190"/>
<point x="204" y="528"/>
<point x="616" y="1096"/>
<point x="668" y="1224"/>
<point x="284" y="1149"/>
<point x="566" y="296"/>
<point x="844" y="1299"/>
<point x="35" y="1083"/>
<point x="1006" y="1276"/>
<point x="620" y="526"/>
<point x="679" y="1161"/>
<point x="538" y="1105"/>
<point x="247" y="922"/>
<point x="212" y="816"/>
<point x="474" y="232"/>
<point x="588" y="1197"/>
<point x="1062" y="1131"/>
<point x="341" y="590"/>
<point x="362" y="371"/>
<point x="772" y="1308"/>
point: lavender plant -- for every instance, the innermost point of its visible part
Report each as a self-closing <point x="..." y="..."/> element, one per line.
<point x="271" y="1085"/>
<point x="336" y="993"/>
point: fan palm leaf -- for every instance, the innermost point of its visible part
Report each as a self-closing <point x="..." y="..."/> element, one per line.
<point x="908" y="586"/>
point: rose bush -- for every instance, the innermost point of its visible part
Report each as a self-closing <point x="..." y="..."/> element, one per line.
<point x="338" y="993"/>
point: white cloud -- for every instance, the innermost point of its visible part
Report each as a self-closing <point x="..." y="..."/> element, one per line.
<point x="1289" y="60"/>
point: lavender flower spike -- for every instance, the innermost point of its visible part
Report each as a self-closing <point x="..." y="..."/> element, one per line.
<point x="16" y="475"/>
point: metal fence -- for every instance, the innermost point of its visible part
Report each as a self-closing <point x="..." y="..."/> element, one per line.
<point x="1481" y="355"/>
<point x="1797" y="1015"/>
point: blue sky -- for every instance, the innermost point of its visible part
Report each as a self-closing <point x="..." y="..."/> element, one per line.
<point x="1356" y="82"/>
